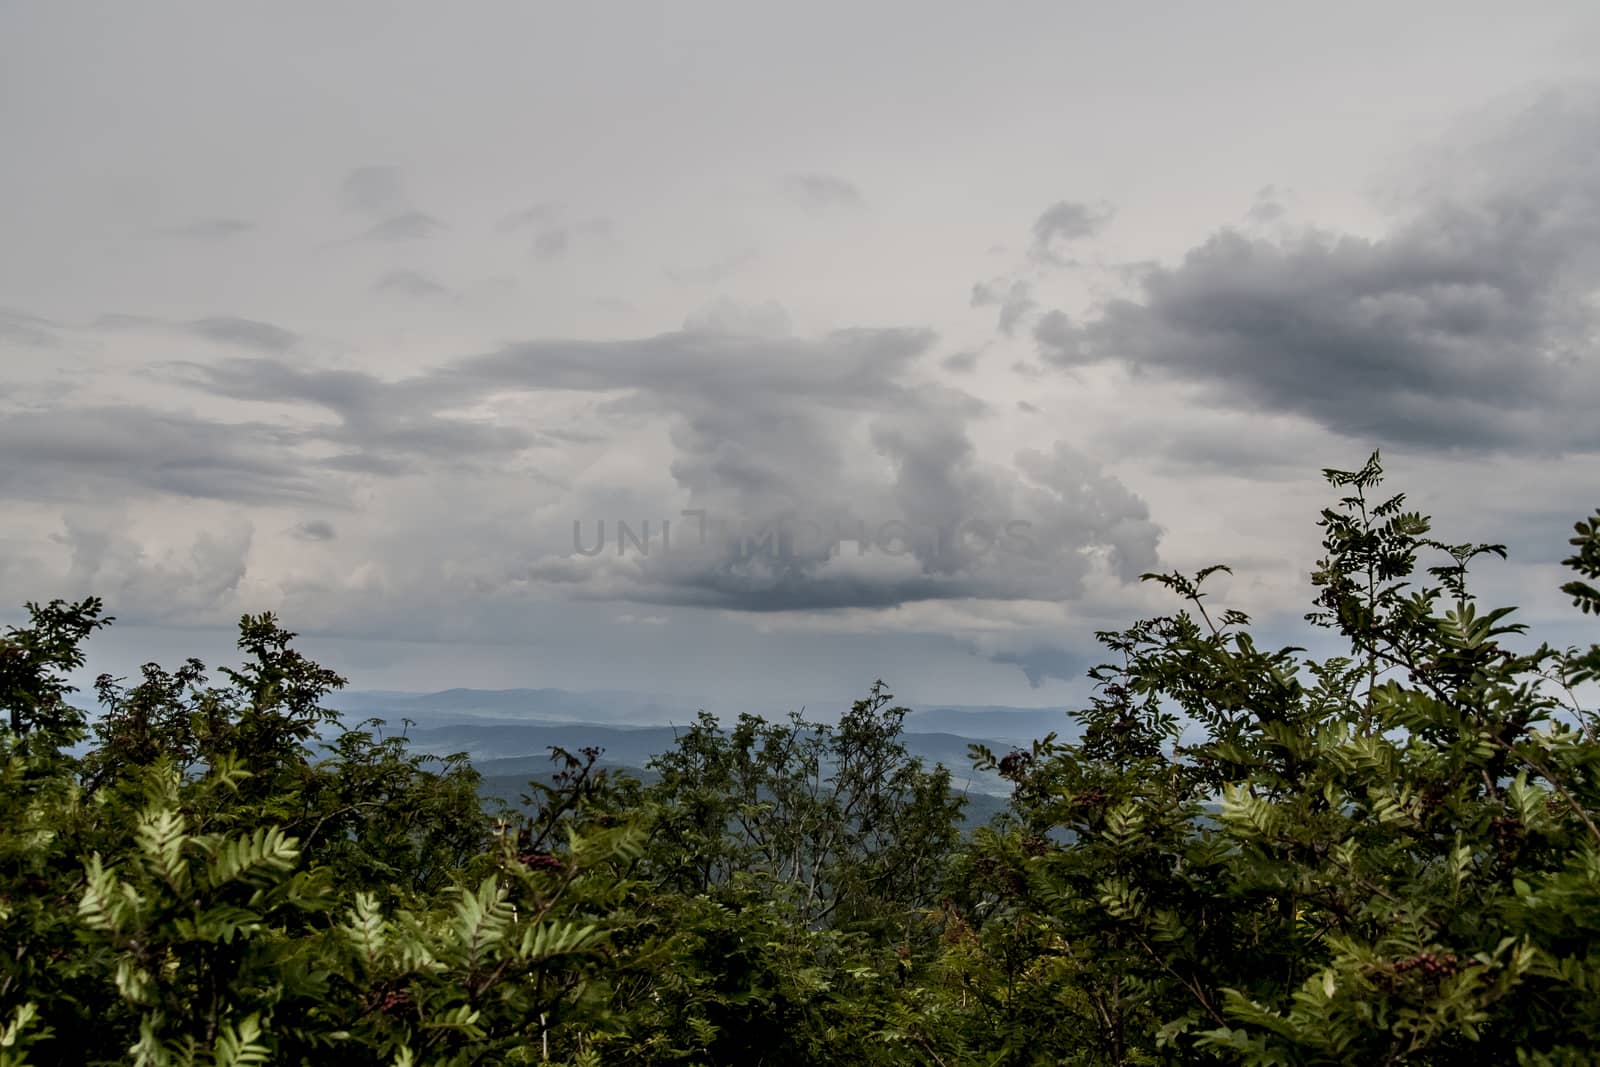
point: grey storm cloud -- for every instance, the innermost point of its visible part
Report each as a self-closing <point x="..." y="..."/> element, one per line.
<point x="111" y="451"/>
<point x="835" y="429"/>
<point x="1083" y="506"/>
<point x="230" y="330"/>
<point x="1267" y="207"/>
<point x="211" y="230"/>
<point x="756" y="422"/>
<point x="762" y="427"/>
<point x="1064" y="223"/>
<point x="1044" y="662"/>
<point x="847" y="365"/>
<point x="406" y="226"/>
<point x="246" y="333"/>
<point x="1204" y="441"/>
<point x="964" y="362"/>
<point x="383" y="427"/>
<point x="30" y="331"/>
<point x="943" y="525"/>
<point x="379" y="192"/>
<point x="315" y="530"/>
<point x="1469" y="326"/>
<point x="840" y="430"/>
<point x="199" y="583"/>
<point x="943" y="528"/>
<point x="410" y="284"/>
<point x="823" y="192"/>
<point x="1015" y="302"/>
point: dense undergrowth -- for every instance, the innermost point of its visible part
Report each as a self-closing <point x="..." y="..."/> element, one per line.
<point x="1387" y="857"/>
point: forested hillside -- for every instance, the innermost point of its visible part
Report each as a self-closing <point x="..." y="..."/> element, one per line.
<point x="1388" y="857"/>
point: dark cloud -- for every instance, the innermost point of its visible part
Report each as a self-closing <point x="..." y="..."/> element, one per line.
<point x="755" y="425"/>
<point x="1015" y="301"/>
<point x="385" y="428"/>
<point x="1206" y="441"/>
<point x="1063" y="224"/>
<point x="246" y="333"/>
<point x="220" y="329"/>
<point x="1470" y="326"/>
<point x="906" y="560"/>
<point x="1267" y="207"/>
<point x="114" y="452"/>
<point x="1083" y="507"/>
<point x="315" y="530"/>
<point x="744" y="580"/>
<point x="847" y="367"/>
<point x="834" y="430"/>
<point x="199" y="584"/>
<point x="406" y="226"/>
<point x="211" y="230"/>
<point x="373" y="190"/>
<point x="30" y="331"/>
<point x="346" y="393"/>
<point x="368" y="463"/>
<point x="823" y="192"/>
<point x="1045" y="662"/>
<point x="802" y="530"/>
<point x="961" y="362"/>
<point x="830" y="430"/>
<point x="1391" y="339"/>
<point x="379" y="192"/>
<point x="410" y="284"/>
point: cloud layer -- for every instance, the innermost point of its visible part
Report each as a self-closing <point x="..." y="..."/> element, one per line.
<point x="1471" y="325"/>
<point x="364" y="349"/>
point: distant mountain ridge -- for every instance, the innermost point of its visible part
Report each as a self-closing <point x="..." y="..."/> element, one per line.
<point x="1020" y="726"/>
<point x="517" y="705"/>
<point x="502" y="729"/>
<point x="626" y="709"/>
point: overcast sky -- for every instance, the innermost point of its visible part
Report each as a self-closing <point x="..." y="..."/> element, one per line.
<point x="352" y="311"/>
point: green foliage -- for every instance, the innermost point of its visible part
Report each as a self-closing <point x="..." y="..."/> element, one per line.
<point x="1243" y="855"/>
<point x="33" y="662"/>
<point x="839" y="817"/>
<point x="1387" y="857"/>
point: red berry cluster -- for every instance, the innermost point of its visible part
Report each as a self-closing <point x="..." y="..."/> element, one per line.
<point x="1015" y="764"/>
<point x="390" y="1002"/>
